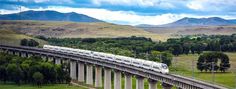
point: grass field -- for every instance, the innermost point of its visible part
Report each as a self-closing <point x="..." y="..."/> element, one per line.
<point x="56" y="86"/>
<point x="184" y="66"/>
<point x="13" y="38"/>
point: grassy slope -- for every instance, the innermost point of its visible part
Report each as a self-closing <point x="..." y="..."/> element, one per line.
<point x="74" y="30"/>
<point x="208" y="30"/>
<point x="57" y="86"/>
<point x="183" y="63"/>
<point x="12" y="38"/>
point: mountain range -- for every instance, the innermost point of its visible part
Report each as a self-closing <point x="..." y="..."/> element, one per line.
<point x="212" y="21"/>
<point x="49" y="16"/>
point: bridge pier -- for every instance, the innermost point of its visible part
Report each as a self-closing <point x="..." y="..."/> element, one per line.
<point x="98" y="77"/>
<point x="89" y="74"/>
<point x="152" y="84"/>
<point x="107" y="78"/>
<point x="128" y="81"/>
<point x="29" y="55"/>
<point x="139" y="82"/>
<point x="166" y="86"/>
<point x="23" y="54"/>
<point x="57" y="61"/>
<point x="80" y="72"/>
<point x="117" y="79"/>
<point x="73" y="70"/>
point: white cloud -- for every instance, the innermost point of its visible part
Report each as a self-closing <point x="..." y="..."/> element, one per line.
<point x="211" y="5"/>
<point x="140" y="3"/>
<point x="120" y="17"/>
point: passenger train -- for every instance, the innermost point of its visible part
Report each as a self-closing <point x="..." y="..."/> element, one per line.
<point x="155" y="66"/>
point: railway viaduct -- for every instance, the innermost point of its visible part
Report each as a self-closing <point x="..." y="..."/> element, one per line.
<point x="81" y="69"/>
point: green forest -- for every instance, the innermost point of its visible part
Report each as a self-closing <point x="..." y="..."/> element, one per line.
<point x="33" y="70"/>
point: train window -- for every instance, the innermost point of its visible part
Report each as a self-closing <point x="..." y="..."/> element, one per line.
<point x="118" y="59"/>
<point x="156" y="67"/>
<point x="136" y="63"/>
<point x="127" y="61"/>
<point x="164" y="66"/>
<point x="146" y="65"/>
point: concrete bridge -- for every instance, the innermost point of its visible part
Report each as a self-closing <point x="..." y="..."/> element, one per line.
<point x="79" y="73"/>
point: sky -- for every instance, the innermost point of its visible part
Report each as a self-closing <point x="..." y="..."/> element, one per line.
<point x="129" y="12"/>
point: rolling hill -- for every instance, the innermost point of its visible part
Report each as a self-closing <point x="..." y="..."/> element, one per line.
<point x="10" y="37"/>
<point x="187" y="22"/>
<point x="49" y="16"/>
<point x="75" y="30"/>
<point x="213" y="21"/>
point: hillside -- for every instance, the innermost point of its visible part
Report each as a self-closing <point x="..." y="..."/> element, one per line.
<point x="13" y="38"/>
<point x="75" y="30"/>
<point x="49" y="16"/>
<point x="213" y="21"/>
<point x="179" y="31"/>
<point x="194" y="22"/>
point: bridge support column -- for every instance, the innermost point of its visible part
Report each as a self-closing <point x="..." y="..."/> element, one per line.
<point x="58" y="61"/>
<point x="73" y="70"/>
<point x="98" y="77"/>
<point x="166" y="86"/>
<point x="117" y="80"/>
<point x="152" y="84"/>
<point x="50" y="59"/>
<point x="80" y="72"/>
<point x="139" y="82"/>
<point x="89" y="74"/>
<point x="29" y="55"/>
<point x="17" y="53"/>
<point x="23" y="54"/>
<point x="128" y="81"/>
<point x="107" y="78"/>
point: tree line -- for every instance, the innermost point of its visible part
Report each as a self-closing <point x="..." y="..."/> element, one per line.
<point x="33" y="70"/>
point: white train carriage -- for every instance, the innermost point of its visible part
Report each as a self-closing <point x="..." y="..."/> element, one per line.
<point x="137" y="62"/>
<point x="147" y="64"/>
<point x="155" y="66"/>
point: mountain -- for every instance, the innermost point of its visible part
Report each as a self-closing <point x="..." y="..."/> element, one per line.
<point x="212" y="21"/>
<point x="49" y="16"/>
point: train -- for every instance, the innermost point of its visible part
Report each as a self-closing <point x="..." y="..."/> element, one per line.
<point x="150" y="65"/>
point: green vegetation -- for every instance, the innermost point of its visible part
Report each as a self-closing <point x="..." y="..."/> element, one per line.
<point x="27" y="86"/>
<point x="210" y="62"/>
<point x="186" y="65"/>
<point x="30" y="42"/>
<point x="31" y="70"/>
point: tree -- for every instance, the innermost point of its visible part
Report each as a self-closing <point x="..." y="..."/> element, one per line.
<point x="210" y="61"/>
<point x="24" y="42"/>
<point x="14" y="73"/>
<point x="30" y="42"/>
<point x="177" y="49"/>
<point x="166" y="58"/>
<point x="38" y="78"/>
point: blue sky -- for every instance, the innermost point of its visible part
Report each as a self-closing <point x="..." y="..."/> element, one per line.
<point x="129" y="12"/>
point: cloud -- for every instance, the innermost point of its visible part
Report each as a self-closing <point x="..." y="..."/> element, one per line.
<point x="139" y="3"/>
<point x="120" y="17"/>
<point x="211" y="5"/>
